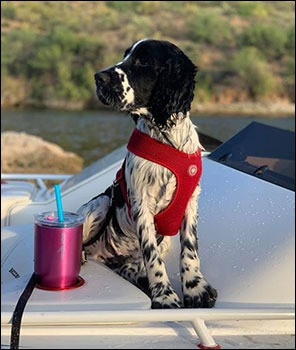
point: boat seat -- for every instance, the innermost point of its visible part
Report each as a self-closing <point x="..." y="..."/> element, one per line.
<point x="103" y="289"/>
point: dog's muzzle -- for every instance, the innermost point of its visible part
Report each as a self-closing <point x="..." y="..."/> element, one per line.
<point x="109" y="88"/>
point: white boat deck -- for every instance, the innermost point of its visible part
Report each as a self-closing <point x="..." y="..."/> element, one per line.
<point x="249" y="257"/>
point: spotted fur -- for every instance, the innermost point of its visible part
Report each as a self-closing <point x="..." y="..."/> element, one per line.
<point x="154" y="83"/>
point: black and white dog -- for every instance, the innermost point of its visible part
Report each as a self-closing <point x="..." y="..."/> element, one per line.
<point x="154" y="83"/>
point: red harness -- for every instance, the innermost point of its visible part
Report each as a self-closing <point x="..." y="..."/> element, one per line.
<point x="186" y="167"/>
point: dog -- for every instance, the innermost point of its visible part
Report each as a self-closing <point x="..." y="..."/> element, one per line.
<point x="154" y="83"/>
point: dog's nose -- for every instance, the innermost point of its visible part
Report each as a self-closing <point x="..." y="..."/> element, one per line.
<point x="102" y="77"/>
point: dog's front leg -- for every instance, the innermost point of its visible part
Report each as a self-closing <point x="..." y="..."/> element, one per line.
<point x="197" y="292"/>
<point x="161" y="291"/>
<point x="135" y="272"/>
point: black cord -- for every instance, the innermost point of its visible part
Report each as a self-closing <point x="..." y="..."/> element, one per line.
<point x="18" y="312"/>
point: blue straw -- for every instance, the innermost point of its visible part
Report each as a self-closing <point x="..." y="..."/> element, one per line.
<point x="59" y="203"/>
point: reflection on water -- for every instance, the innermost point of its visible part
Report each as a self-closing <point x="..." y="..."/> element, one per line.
<point x="93" y="134"/>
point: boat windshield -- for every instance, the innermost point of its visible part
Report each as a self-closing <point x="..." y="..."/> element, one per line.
<point x="262" y="151"/>
<point x="95" y="168"/>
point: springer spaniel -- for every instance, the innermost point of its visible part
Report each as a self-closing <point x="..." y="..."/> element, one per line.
<point x="154" y="83"/>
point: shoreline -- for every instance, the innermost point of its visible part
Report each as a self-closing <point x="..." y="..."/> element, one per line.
<point x="276" y="109"/>
<point x="242" y="109"/>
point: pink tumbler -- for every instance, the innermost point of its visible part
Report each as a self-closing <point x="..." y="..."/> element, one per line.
<point x="57" y="249"/>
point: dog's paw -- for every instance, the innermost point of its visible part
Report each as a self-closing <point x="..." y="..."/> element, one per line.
<point x="201" y="296"/>
<point x="168" y="299"/>
<point x="166" y="304"/>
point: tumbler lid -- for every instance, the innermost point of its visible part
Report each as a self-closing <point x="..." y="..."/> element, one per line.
<point x="50" y="218"/>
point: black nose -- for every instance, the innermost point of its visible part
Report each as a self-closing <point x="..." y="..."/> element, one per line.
<point x="102" y="77"/>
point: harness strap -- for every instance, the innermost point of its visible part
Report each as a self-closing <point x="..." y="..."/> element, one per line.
<point x="186" y="168"/>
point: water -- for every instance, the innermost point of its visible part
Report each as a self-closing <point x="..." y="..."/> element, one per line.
<point x="93" y="134"/>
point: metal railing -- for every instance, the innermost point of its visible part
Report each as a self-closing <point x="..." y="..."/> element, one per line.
<point x="39" y="178"/>
<point x="197" y="317"/>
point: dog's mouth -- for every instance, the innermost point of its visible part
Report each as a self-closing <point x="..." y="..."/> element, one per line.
<point x="103" y="96"/>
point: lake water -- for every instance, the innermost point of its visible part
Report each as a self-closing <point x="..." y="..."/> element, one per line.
<point x="93" y="134"/>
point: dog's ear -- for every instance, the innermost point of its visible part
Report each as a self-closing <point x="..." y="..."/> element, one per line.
<point x="174" y="89"/>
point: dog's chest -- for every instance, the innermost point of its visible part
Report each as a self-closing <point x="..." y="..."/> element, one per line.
<point x="149" y="184"/>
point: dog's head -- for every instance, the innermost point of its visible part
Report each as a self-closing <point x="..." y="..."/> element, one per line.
<point x="154" y="76"/>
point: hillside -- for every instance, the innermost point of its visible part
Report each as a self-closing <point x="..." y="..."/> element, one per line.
<point x="244" y="49"/>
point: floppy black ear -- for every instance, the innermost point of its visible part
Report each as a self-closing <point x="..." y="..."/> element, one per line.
<point x="173" y="91"/>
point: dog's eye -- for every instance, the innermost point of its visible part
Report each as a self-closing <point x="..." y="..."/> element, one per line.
<point x="141" y="61"/>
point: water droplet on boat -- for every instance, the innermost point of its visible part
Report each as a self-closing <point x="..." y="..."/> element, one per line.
<point x="235" y="267"/>
<point x="242" y="270"/>
<point x="256" y="259"/>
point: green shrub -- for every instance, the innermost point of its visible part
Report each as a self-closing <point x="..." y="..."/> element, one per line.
<point x="46" y="60"/>
<point x="148" y="7"/>
<point x="251" y="8"/>
<point x="208" y="27"/>
<point x="174" y="6"/>
<point x="83" y="78"/>
<point x="107" y="18"/>
<point x="270" y="39"/>
<point x="204" y="86"/>
<point x="8" y="10"/>
<point x="290" y="64"/>
<point x="16" y="48"/>
<point x="63" y="61"/>
<point x="254" y="72"/>
<point x="123" y="5"/>
<point x="141" y="26"/>
<point x="55" y="47"/>
<point x="290" y="41"/>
